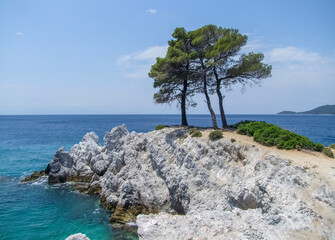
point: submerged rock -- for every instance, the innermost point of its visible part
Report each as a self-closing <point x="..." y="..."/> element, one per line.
<point x="78" y="236"/>
<point x="196" y="188"/>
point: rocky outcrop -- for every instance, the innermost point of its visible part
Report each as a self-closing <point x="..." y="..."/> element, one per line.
<point x="33" y="177"/>
<point x="200" y="189"/>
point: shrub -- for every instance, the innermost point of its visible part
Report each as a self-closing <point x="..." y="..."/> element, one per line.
<point x="298" y="147"/>
<point x="196" y="133"/>
<point x="159" y="127"/>
<point x="319" y="147"/>
<point x="215" y="135"/>
<point x="272" y="135"/>
<point x="332" y="146"/>
<point x="233" y="140"/>
<point x="250" y="128"/>
<point x="328" y="152"/>
<point x="239" y="123"/>
<point x="192" y="130"/>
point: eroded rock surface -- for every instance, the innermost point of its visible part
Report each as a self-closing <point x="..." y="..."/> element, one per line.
<point x="199" y="189"/>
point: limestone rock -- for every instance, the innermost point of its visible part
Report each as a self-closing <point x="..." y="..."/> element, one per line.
<point x="197" y="188"/>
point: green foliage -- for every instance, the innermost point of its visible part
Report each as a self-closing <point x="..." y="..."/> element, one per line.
<point x="249" y="128"/>
<point x="239" y="123"/>
<point x="328" y="152"/>
<point x="319" y="147"/>
<point x="272" y="135"/>
<point x="250" y="66"/>
<point x="298" y="147"/>
<point x="195" y="132"/>
<point x="332" y="146"/>
<point x="233" y="140"/>
<point x="215" y="135"/>
<point x="192" y="130"/>
<point x="159" y="127"/>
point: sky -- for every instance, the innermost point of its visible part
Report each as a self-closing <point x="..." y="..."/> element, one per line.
<point x="93" y="57"/>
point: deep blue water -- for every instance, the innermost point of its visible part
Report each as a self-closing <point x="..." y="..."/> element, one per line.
<point x="39" y="211"/>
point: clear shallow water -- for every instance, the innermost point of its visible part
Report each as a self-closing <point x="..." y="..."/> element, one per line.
<point x="40" y="211"/>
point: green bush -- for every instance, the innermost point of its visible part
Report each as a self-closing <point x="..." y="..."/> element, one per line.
<point x="319" y="147"/>
<point x="233" y="140"/>
<point x="328" y="152"/>
<point x="196" y="134"/>
<point x="332" y="146"/>
<point x="192" y="130"/>
<point x="215" y="135"/>
<point x="272" y="135"/>
<point x="250" y="128"/>
<point x="239" y="123"/>
<point x="159" y="127"/>
<point x="298" y="147"/>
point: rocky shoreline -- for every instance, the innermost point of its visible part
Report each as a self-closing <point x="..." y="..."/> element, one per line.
<point x="178" y="187"/>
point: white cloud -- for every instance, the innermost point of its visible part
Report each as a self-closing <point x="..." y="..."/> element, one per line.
<point x="300" y="80"/>
<point x="151" y="53"/>
<point x="291" y="54"/>
<point x="153" y="11"/>
<point x="137" y="65"/>
<point x="19" y="33"/>
<point x="123" y="59"/>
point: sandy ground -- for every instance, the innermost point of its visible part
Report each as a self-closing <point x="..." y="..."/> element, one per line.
<point x="309" y="160"/>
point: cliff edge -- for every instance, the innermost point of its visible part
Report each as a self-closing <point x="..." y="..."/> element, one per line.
<point x="178" y="187"/>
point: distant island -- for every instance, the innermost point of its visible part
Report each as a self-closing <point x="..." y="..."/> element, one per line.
<point x="326" y="109"/>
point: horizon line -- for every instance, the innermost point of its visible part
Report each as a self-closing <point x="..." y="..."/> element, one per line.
<point x="85" y="114"/>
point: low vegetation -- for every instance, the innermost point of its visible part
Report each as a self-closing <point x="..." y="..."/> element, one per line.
<point x="215" y="135"/>
<point x="272" y="135"/>
<point x="332" y="146"/>
<point x="195" y="132"/>
<point x="159" y="127"/>
<point x="319" y="147"/>
<point x="328" y="152"/>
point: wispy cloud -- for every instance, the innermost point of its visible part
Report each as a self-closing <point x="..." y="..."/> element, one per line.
<point x="19" y="33"/>
<point x="153" y="11"/>
<point x="137" y="65"/>
<point x="151" y="53"/>
<point x="292" y="54"/>
<point x="301" y="77"/>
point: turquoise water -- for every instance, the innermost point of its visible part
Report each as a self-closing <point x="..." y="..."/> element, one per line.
<point x="40" y="211"/>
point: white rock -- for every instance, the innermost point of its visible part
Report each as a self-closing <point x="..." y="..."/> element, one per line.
<point x="78" y="236"/>
<point x="220" y="190"/>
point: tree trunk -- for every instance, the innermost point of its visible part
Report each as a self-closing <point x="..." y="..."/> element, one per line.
<point x="208" y="101"/>
<point x="218" y="92"/>
<point x="183" y="104"/>
<point x="223" y="116"/>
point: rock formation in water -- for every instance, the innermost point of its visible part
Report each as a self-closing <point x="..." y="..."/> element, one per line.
<point x="33" y="177"/>
<point x="78" y="236"/>
<point x="178" y="187"/>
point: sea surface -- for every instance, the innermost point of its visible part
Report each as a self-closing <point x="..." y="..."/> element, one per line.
<point x="41" y="211"/>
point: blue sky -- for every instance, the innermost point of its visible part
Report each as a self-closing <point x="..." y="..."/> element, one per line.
<point x="92" y="57"/>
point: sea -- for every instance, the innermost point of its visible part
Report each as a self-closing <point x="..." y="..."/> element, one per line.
<point x="41" y="211"/>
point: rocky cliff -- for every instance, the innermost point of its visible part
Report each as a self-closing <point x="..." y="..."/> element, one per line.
<point x="178" y="187"/>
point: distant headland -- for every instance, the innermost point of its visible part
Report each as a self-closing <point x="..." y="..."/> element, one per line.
<point x="326" y="109"/>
